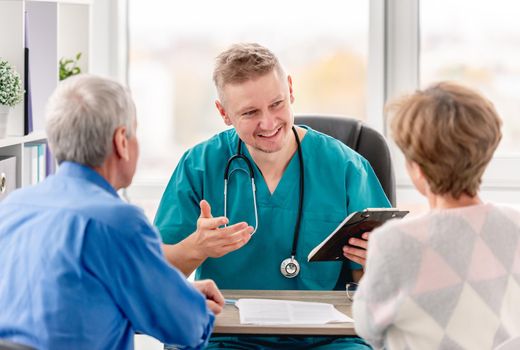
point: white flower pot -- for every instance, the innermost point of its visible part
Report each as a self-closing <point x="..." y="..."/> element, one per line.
<point x="4" y="113"/>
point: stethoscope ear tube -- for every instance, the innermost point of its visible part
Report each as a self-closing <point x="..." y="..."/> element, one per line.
<point x="253" y="188"/>
<point x="253" y="185"/>
<point x="244" y="158"/>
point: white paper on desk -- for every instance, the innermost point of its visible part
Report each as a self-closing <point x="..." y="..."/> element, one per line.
<point x="287" y="312"/>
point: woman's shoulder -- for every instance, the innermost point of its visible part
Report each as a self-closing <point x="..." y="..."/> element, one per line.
<point x="409" y="223"/>
<point x="396" y="248"/>
<point x="407" y="234"/>
<point x="511" y="212"/>
<point x="441" y="223"/>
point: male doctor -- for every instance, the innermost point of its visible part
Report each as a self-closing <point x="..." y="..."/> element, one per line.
<point x="306" y="183"/>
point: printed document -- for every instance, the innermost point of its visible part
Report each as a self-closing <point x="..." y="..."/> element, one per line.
<point x="286" y="312"/>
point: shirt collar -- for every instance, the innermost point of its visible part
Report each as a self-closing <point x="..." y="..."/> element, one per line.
<point x="77" y="170"/>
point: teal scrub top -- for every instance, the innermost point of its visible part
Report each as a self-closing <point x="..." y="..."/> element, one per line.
<point x="338" y="181"/>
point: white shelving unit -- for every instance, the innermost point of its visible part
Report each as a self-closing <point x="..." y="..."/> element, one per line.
<point x="14" y="147"/>
<point x="54" y="29"/>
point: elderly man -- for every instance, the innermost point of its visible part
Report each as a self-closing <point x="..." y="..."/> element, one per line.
<point x="80" y="268"/>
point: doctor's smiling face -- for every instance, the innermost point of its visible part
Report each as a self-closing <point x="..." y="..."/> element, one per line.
<point x="260" y="110"/>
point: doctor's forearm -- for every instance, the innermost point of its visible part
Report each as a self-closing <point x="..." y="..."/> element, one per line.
<point x="183" y="256"/>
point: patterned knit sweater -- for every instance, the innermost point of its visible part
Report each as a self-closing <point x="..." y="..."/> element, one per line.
<point x="449" y="279"/>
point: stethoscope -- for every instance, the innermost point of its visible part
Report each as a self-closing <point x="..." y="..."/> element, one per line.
<point x="290" y="266"/>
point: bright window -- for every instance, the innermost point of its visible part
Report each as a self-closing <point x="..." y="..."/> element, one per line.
<point x="172" y="50"/>
<point x="476" y="42"/>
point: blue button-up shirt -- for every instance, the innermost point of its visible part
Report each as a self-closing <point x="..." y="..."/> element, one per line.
<point x="81" y="269"/>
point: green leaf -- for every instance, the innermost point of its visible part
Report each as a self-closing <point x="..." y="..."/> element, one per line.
<point x="69" y="67"/>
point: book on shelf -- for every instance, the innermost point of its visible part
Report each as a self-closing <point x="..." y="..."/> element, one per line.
<point x="50" y="162"/>
<point x="39" y="163"/>
<point x="28" y="112"/>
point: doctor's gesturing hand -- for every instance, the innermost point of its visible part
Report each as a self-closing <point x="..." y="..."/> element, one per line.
<point x="213" y="241"/>
<point x="209" y="240"/>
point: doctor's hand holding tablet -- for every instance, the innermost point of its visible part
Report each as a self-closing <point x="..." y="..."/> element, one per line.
<point x="356" y="250"/>
<point x="350" y="239"/>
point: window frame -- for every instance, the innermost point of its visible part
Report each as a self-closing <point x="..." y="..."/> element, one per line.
<point x="393" y="69"/>
<point x="501" y="182"/>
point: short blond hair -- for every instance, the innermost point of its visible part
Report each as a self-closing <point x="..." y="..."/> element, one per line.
<point x="451" y="132"/>
<point x="243" y="62"/>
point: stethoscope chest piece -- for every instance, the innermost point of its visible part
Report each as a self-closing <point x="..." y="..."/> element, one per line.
<point x="290" y="267"/>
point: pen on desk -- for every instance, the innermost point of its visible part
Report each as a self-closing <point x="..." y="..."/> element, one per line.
<point x="230" y="301"/>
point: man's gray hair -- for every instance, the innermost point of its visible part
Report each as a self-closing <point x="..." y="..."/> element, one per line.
<point x="82" y="115"/>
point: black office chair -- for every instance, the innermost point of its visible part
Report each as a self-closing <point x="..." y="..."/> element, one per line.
<point x="8" y="345"/>
<point x="362" y="139"/>
<point x="367" y="142"/>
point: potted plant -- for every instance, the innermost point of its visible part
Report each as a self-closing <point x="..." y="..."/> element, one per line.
<point x="11" y="92"/>
<point x="69" y="67"/>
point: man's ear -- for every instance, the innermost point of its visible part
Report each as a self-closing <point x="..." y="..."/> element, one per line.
<point x="222" y="112"/>
<point x="121" y="143"/>
<point x="289" y="82"/>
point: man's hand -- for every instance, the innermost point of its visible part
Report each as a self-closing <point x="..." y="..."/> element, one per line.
<point x="212" y="241"/>
<point x="207" y="241"/>
<point x="359" y="254"/>
<point x="214" y="298"/>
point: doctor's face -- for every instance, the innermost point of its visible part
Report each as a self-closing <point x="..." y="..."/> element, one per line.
<point x="260" y="110"/>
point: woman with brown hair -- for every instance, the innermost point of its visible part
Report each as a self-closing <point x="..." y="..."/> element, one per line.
<point x="448" y="279"/>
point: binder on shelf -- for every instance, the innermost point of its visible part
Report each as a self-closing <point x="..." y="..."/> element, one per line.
<point x="50" y="162"/>
<point x="41" y="162"/>
<point x="7" y="176"/>
<point x="35" y="163"/>
<point x="28" y="112"/>
<point x="32" y="162"/>
<point x="28" y="124"/>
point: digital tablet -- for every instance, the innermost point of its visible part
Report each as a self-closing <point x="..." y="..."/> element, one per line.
<point x="357" y="223"/>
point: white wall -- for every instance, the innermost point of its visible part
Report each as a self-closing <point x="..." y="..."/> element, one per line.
<point x="109" y="39"/>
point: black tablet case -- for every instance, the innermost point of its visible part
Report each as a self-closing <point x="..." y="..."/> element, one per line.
<point x="354" y="226"/>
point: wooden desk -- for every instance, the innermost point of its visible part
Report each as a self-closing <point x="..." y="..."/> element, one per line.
<point x="228" y="322"/>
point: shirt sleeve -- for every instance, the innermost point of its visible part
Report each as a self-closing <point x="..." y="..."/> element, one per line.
<point x="179" y="208"/>
<point x="153" y="296"/>
<point x="363" y="191"/>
